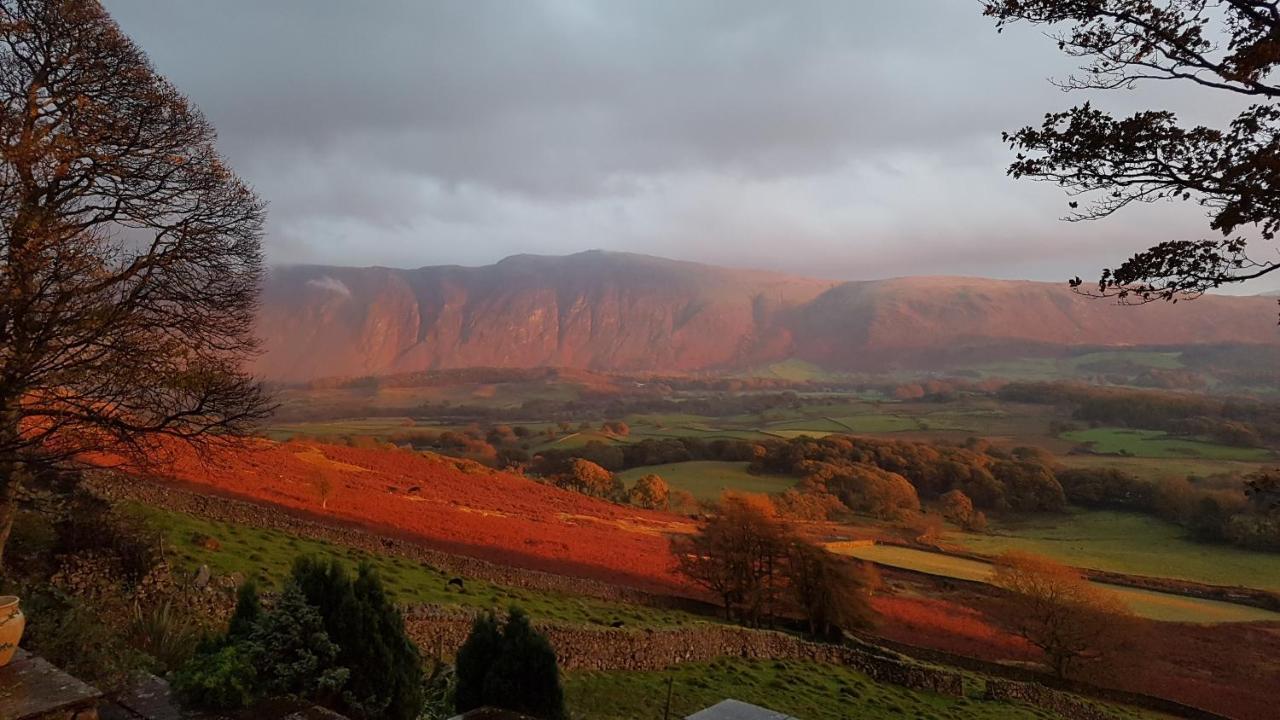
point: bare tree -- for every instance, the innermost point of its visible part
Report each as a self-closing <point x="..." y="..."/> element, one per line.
<point x="1227" y="46"/>
<point x="130" y="254"/>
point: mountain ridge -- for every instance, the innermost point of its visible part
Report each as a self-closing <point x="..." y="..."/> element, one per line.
<point x="625" y="312"/>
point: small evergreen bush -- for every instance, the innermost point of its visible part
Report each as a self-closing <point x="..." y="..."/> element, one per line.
<point x="386" y="669"/>
<point x="513" y="668"/>
<point x="329" y="639"/>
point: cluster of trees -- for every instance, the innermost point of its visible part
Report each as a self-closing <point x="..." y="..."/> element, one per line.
<point x="1231" y="421"/>
<point x="940" y="389"/>
<point x="889" y="478"/>
<point x="1243" y="512"/>
<point x="760" y="569"/>
<point x="510" y="666"/>
<point x="330" y="638"/>
<point x="649" y="491"/>
<point x="650" y="451"/>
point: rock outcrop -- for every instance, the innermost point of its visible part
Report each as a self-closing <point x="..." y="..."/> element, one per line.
<point x="634" y="313"/>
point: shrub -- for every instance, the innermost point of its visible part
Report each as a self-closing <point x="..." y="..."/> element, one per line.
<point x="247" y="613"/>
<point x="165" y="632"/>
<point x="386" y="670"/>
<point x="90" y="526"/>
<point x="219" y="680"/>
<point x="291" y="651"/>
<point x="474" y="659"/>
<point x="513" y="668"/>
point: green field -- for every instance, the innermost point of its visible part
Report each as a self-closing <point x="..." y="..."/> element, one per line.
<point x="1159" y="469"/>
<point x="708" y="479"/>
<point x="1145" y="603"/>
<point x="876" y="423"/>
<point x="268" y="555"/>
<point x="802" y="689"/>
<point x="1128" y="543"/>
<point x="1157" y="444"/>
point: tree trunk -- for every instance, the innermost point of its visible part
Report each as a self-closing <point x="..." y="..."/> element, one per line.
<point x="10" y="477"/>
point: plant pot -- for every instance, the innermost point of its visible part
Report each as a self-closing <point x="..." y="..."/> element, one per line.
<point x="12" y="623"/>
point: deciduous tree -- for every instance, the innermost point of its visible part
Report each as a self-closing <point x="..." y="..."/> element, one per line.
<point x="1227" y="47"/>
<point x="589" y="478"/>
<point x="1074" y="622"/>
<point x="738" y="556"/>
<point x="650" y="491"/>
<point x="829" y="590"/>
<point x="129" y="252"/>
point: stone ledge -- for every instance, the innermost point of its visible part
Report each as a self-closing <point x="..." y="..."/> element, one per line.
<point x="33" y="689"/>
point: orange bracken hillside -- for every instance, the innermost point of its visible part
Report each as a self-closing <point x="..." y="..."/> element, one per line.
<point x="456" y="507"/>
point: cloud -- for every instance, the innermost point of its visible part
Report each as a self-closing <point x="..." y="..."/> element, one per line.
<point x="330" y="284"/>
<point x="829" y="137"/>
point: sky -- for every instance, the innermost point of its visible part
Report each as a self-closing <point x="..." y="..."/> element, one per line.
<point x="849" y="140"/>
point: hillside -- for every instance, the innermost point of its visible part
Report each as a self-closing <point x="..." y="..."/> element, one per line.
<point x="449" y="505"/>
<point x="623" y="312"/>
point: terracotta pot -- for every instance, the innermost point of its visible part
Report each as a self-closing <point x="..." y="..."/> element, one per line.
<point x="12" y="622"/>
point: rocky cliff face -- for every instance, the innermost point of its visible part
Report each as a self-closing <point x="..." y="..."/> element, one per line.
<point x="620" y="312"/>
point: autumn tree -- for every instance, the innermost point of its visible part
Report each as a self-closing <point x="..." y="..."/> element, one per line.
<point x="956" y="506"/>
<point x="829" y="591"/>
<point x="1072" y="621"/>
<point x="129" y="252"/>
<point x="1227" y="47"/>
<point x="589" y="478"/>
<point x="650" y="491"/>
<point x="738" y="556"/>
<point x="869" y="489"/>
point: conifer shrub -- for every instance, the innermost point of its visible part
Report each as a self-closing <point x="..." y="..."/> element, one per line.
<point x="513" y="668"/>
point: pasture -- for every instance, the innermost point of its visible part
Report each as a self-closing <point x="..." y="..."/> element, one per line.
<point x="708" y="479"/>
<point x="1144" y="603"/>
<point x="1158" y="444"/>
<point x="1127" y="543"/>
<point x="801" y="689"/>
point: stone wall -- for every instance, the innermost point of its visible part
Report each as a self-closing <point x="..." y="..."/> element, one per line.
<point x="1060" y="703"/>
<point x="439" y="631"/>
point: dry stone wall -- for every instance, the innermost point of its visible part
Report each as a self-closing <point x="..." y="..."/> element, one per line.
<point x="1067" y="706"/>
<point x="441" y="631"/>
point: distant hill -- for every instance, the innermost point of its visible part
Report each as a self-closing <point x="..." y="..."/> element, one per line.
<point x="623" y="312"/>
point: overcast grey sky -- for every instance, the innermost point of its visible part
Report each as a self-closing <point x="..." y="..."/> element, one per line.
<point x="842" y="139"/>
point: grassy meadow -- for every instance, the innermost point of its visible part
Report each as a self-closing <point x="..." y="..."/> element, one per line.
<point x="1157" y="444"/>
<point x="1127" y="543"/>
<point x="801" y="689"/>
<point x="1144" y="603"/>
<point x="708" y="479"/>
